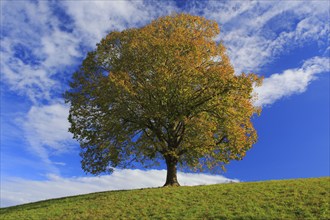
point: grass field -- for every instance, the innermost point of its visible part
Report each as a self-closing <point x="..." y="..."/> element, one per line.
<point x="284" y="199"/>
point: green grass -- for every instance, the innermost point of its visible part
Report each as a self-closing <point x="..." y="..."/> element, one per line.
<point x="284" y="199"/>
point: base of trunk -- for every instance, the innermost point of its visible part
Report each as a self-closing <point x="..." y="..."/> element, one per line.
<point x="173" y="184"/>
<point x="171" y="178"/>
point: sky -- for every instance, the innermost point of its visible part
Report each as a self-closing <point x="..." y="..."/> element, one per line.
<point x="43" y="43"/>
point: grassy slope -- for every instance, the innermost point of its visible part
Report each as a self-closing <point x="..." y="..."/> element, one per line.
<point x="285" y="199"/>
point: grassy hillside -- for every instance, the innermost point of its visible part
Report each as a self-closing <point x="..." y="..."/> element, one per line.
<point x="285" y="199"/>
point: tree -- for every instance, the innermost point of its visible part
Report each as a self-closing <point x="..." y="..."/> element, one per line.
<point x="163" y="91"/>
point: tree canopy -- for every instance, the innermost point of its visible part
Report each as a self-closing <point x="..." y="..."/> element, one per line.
<point x="163" y="91"/>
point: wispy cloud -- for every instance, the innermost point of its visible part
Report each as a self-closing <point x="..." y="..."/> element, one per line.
<point x="291" y="81"/>
<point x="94" y="19"/>
<point x="42" y="43"/>
<point x="257" y="32"/>
<point x="34" y="49"/>
<point x="18" y="191"/>
<point x="46" y="131"/>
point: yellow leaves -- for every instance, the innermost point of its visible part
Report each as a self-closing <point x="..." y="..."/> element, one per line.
<point x="161" y="76"/>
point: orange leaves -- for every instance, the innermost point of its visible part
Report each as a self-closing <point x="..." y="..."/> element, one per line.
<point x="172" y="84"/>
<point x="122" y="81"/>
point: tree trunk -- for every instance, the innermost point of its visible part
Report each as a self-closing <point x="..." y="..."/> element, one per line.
<point x="171" y="179"/>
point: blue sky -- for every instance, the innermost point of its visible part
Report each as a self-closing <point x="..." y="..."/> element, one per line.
<point x="43" y="42"/>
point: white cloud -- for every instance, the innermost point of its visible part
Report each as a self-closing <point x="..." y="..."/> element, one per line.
<point x="37" y="51"/>
<point x="34" y="49"/>
<point x="255" y="33"/>
<point x="93" y="19"/>
<point x="42" y="42"/>
<point x="19" y="191"/>
<point x="291" y="81"/>
<point x="224" y="12"/>
<point x="46" y="130"/>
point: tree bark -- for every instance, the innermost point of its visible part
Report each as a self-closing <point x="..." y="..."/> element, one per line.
<point x="171" y="178"/>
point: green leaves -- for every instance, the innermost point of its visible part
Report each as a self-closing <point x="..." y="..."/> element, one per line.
<point x="158" y="90"/>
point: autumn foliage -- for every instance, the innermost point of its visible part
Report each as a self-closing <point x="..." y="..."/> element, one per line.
<point x="163" y="91"/>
